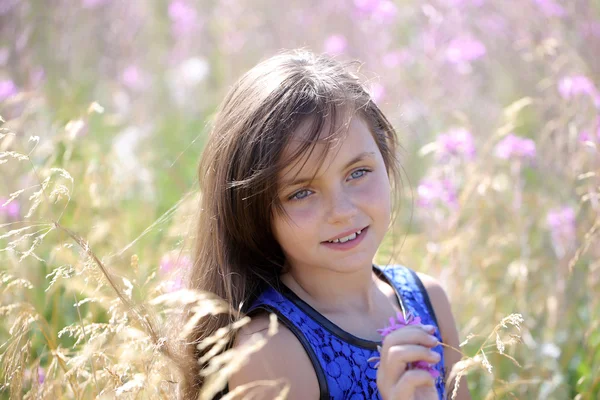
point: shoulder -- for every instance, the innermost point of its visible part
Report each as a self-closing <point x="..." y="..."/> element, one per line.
<point x="440" y="303"/>
<point x="436" y="293"/>
<point x="447" y="325"/>
<point x="281" y="359"/>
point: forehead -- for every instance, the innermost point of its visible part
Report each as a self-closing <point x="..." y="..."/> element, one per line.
<point x="350" y="137"/>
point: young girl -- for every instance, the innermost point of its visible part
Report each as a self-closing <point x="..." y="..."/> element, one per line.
<point x="297" y="180"/>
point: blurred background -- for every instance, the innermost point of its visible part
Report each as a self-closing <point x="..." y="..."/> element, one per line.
<point x="106" y="105"/>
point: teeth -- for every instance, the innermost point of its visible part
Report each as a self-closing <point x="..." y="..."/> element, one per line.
<point x="347" y="238"/>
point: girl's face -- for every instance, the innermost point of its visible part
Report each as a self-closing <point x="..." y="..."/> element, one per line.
<point x="349" y="194"/>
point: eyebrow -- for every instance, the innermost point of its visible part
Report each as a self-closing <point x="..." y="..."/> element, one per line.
<point x="360" y="157"/>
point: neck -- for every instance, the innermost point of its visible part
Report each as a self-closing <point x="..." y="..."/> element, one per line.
<point x="335" y="292"/>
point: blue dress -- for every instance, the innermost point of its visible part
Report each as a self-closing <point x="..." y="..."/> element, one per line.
<point x="338" y="357"/>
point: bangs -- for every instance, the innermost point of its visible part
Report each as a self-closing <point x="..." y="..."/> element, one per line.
<point x="327" y="126"/>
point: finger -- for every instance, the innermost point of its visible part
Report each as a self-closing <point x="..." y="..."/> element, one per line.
<point x="409" y="335"/>
<point x="399" y="356"/>
<point x="409" y="383"/>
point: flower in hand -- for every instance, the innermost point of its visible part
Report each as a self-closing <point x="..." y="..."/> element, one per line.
<point x="401" y="322"/>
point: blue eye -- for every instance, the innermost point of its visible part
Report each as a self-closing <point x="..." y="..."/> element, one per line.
<point x="359" y="173"/>
<point x="300" y="195"/>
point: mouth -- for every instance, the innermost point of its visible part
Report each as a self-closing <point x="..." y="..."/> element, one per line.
<point x="346" y="240"/>
<point x="346" y="236"/>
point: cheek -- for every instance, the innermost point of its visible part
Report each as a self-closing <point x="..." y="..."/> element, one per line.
<point x="377" y="191"/>
<point x="377" y="196"/>
<point x="299" y="223"/>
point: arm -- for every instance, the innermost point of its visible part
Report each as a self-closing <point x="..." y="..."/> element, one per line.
<point x="443" y="313"/>
<point x="282" y="358"/>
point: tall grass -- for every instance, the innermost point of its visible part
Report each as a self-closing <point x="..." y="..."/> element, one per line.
<point x="498" y="112"/>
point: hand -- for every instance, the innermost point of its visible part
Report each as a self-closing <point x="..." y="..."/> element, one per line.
<point x="409" y="344"/>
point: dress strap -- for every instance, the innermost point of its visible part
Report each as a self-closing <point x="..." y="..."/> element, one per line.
<point x="285" y="321"/>
<point x="424" y="294"/>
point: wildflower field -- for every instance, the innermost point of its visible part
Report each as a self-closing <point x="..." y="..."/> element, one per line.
<point x="105" y="107"/>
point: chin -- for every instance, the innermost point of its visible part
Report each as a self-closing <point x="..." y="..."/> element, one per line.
<point x="357" y="263"/>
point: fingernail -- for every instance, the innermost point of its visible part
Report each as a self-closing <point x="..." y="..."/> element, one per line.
<point x="429" y="328"/>
<point x="435" y="355"/>
<point x="433" y="339"/>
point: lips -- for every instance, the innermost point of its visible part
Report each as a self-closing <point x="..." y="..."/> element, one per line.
<point x="350" y="244"/>
<point x="344" y="234"/>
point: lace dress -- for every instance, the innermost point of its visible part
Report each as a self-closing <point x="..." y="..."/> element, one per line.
<point x="338" y="357"/>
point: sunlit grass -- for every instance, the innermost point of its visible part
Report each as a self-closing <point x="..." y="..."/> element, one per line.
<point x="98" y="153"/>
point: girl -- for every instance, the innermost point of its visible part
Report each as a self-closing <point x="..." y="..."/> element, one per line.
<point x="297" y="180"/>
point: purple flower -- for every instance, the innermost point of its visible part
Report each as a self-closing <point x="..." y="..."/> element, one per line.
<point x="587" y="136"/>
<point x="7" y="5"/>
<point x="175" y="284"/>
<point x="184" y="17"/>
<point x="41" y="375"/>
<point x="366" y="6"/>
<point x="433" y="192"/>
<point x="400" y="323"/>
<point x="385" y="12"/>
<point x="396" y="58"/>
<point x="513" y="146"/>
<point x="550" y="8"/>
<point x="92" y="3"/>
<point x="377" y="91"/>
<point x="571" y="86"/>
<point x="456" y="142"/>
<point x="335" y="44"/>
<point x="464" y="3"/>
<point x="11" y="210"/>
<point x="173" y="268"/>
<point x="133" y="77"/>
<point x="591" y="28"/>
<point x="171" y="263"/>
<point x="7" y="89"/>
<point x="559" y="218"/>
<point x="464" y="50"/>
<point x="561" y="222"/>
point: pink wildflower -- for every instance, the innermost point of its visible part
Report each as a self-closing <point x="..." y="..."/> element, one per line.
<point x="184" y="18"/>
<point x="92" y="3"/>
<point x="11" y="210"/>
<point x="464" y="50"/>
<point x="456" y="142"/>
<point x="551" y="8"/>
<point x="335" y="44"/>
<point x="575" y="85"/>
<point x="398" y="323"/>
<point x="377" y="91"/>
<point x="513" y="146"/>
<point x="173" y="269"/>
<point x="7" y="89"/>
<point x="437" y="192"/>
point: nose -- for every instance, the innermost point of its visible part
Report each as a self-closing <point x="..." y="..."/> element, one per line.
<point x="341" y="207"/>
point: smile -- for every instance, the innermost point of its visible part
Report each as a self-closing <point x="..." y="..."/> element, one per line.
<point x="346" y="242"/>
<point x="345" y="239"/>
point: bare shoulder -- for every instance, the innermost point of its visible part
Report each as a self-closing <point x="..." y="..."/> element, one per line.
<point x="282" y="358"/>
<point x="441" y="307"/>
<point x="447" y="324"/>
<point x="438" y="297"/>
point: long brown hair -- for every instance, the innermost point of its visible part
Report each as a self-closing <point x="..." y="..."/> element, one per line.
<point x="236" y="255"/>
